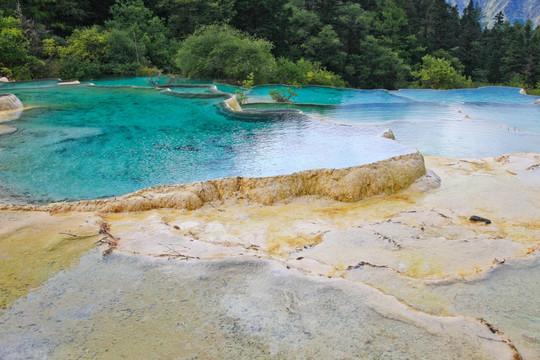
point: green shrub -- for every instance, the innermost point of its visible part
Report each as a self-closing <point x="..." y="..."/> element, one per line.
<point x="84" y="55"/>
<point x="15" y="58"/>
<point x="78" y="69"/>
<point x="304" y="72"/>
<point x="222" y="52"/>
<point x="438" y="73"/>
<point x="247" y="84"/>
<point x="283" y="95"/>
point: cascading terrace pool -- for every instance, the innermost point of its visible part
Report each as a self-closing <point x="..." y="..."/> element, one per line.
<point x="83" y="141"/>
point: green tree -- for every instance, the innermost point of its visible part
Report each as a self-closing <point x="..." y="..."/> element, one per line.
<point x="377" y="67"/>
<point x="265" y="19"/>
<point x="147" y="31"/>
<point x="84" y="54"/>
<point x="533" y="60"/>
<point x="184" y="16"/>
<point x="532" y="55"/>
<point x="122" y="53"/>
<point x="327" y="49"/>
<point x="441" y="27"/>
<point x="220" y="51"/>
<point x="354" y="25"/>
<point x="514" y="57"/>
<point x="15" y="58"/>
<point x="437" y="73"/>
<point x="470" y="35"/>
<point x="493" y="50"/>
<point x="392" y="27"/>
<point x="304" y="23"/>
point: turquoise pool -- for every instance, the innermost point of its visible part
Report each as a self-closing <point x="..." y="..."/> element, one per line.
<point x="83" y="141"/>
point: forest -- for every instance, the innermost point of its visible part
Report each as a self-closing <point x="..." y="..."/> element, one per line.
<point x="358" y="43"/>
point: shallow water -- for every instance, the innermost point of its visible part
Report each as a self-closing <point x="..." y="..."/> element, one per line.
<point x="490" y="94"/>
<point x="5" y="87"/>
<point x="468" y="123"/>
<point x="125" y="306"/>
<point x="163" y="81"/>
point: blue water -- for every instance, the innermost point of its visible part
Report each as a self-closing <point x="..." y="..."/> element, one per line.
<point x="82" y="141"/>
<point x="326" y="95"/>
<point x="163" y="81"/>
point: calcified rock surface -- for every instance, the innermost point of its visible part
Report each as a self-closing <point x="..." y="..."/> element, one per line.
<point x="9" y="102"/>
<point x="232" y="104"/>
<point x="402" y="244"/>
<point x="76" y="82"/>
<point x="273" y="262"/>
<point x="413" y="233"/>
<point x="349" y="185"/>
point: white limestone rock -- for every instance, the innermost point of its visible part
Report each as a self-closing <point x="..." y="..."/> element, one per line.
<point x="9" y="102"/>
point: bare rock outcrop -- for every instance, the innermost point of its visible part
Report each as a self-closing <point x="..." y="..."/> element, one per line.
<point x="9" y="102"/>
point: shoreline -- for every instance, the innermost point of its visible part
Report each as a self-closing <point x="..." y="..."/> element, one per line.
<point x="211" y="199"/>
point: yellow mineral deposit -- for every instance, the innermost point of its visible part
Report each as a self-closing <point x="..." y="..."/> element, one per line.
<point x="35" y="245"/>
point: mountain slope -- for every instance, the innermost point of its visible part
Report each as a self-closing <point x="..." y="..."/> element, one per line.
<point x="514" y="10"/>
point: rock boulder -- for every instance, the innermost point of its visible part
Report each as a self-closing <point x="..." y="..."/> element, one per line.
<point x="9" y="102"/>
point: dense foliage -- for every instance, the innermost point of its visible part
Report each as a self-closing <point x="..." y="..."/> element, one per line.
<point x="359" y="43"/>
<point x="220" y="51"/>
